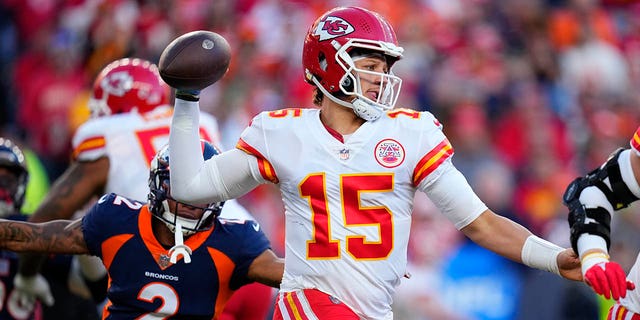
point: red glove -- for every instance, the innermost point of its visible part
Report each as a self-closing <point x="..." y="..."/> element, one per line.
<point x="608" y="279"/>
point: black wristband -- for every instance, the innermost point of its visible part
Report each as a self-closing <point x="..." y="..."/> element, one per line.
<point x="188" y="95"/>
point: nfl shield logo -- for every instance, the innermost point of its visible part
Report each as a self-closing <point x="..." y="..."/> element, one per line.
<point x="344" y="154"/>
<point x="164" y="261"/>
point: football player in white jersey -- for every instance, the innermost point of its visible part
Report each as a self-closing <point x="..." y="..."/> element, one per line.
<point x="112" y="151"/>
<point x="592" y="200"/>
<point x="347" y="172"/>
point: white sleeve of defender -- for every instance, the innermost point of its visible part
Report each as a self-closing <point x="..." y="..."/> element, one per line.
<point x="592" y="197"/>
<point x="194" y="180"/>
<point x="626" y="171"/>
<point x="453" y="196"/>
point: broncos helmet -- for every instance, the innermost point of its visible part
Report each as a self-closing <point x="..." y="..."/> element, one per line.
<point x="334" y="41"/>
<point x="12" y="192"/>
<point x="128" y="84"/>
<point x="159" y="194"/>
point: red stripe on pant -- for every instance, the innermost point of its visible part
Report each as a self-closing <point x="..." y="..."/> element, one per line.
<point x="619" y="312"/>
<point x="323" y="306"/>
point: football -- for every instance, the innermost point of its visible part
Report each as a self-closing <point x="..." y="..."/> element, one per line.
<point x="195" y="60"/>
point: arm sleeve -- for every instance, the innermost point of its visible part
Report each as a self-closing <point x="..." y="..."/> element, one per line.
<point x="453" y="196"/>
<point x="194" y="180"/>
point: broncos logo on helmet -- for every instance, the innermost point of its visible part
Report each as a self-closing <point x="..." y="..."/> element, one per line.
<point x="159" y="194"/>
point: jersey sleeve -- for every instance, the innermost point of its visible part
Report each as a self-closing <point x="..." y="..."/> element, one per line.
<point x="209" y="130"/>
<point x="89" y="142"/>
<point x="253" y="242"/>
<point x="94" y="222"/>
<point x="252" y="141"/>
<point x="112" y="215"/>
<point x="435" y="175"/>
<point x="433" y="152"/>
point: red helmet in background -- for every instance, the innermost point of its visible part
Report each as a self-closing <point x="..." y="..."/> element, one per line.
<point x="332" y="42"/>
<point x="126" y="85"/>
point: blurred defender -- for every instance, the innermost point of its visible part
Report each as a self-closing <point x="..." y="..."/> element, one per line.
<point x="130" y="118"/>
<point x="13" y="183"/>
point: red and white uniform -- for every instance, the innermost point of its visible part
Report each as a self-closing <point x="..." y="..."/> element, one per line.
<point x="347" y="203"/>
<point x="630" y="303"/>
<point x="130" y="140"/>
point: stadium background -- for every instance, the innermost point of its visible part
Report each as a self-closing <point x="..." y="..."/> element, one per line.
<point x="531" y="93"/>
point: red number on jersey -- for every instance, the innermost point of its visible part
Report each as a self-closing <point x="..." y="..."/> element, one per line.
<point x="322" y="246"/>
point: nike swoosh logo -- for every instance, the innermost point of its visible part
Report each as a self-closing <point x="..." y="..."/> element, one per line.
<point x="256" y="226"/>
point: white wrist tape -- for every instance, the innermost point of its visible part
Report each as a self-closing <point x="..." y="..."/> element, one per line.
<point x="597" y="248"/>
<point x="591" y="259"/>
<point x="541" y="254"/>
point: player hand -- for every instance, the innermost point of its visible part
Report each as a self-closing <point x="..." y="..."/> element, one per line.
<point x="30" y="288"/>
<point x="569" y="265"/>
<point x="608" y="279"/>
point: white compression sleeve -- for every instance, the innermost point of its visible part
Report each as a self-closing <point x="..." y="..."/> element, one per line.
<point x="627" y="172"/>
<point x="453" y="196"/>
<point x="592" y="197"/>
<point x="193" y="180"/>
<point x="184" y="148"/>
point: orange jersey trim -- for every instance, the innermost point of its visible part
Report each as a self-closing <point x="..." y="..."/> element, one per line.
<point x="105" y="309"/>
<point x="432" y="160"/>
<point x="225" y="267"/>
<point x="155" y="248"/>
<point x="266" y="169"/>
<point x="89" y="144"/>
<point x="635" y="141"/>
<point x="111" y="246"/>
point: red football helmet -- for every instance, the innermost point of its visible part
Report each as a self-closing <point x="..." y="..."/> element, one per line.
<point x="328" y="53"/>
<point x="126" y="85"/>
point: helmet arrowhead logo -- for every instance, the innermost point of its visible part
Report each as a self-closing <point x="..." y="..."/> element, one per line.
<point x="117" y="83"/>
<point x="333" y="27"/>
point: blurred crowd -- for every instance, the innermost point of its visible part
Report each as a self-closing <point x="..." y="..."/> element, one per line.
<point x="531" y="93"/>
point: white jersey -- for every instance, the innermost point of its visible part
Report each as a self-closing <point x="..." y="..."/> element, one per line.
<point x="348" y="204"/>
<point x="130" y="140"/>
<point x="632" y="300"/>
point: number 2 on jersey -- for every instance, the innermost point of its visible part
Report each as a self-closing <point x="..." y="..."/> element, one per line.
<point x="323" y="246"/>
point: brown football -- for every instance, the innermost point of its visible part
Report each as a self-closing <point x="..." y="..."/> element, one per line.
<point x="195" y="60"/>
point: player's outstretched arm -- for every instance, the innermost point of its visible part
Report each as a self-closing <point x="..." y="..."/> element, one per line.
<point x="513" y="241"/>
<point x="592" y="201"/>
<point x="267" y="269"/>
<point x="59" y="236"/>
<point x="69" y="193"/>
<point x="193" y="180"/>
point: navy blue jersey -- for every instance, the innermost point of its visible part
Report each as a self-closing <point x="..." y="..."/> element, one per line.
<point x="142" y="280"/>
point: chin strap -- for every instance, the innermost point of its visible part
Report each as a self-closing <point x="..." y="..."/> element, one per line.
<point x="179" y="249"/>
<point x="360" y="107"/>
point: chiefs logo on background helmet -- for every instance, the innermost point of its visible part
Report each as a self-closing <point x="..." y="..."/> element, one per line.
<point x="126" y="85"/>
